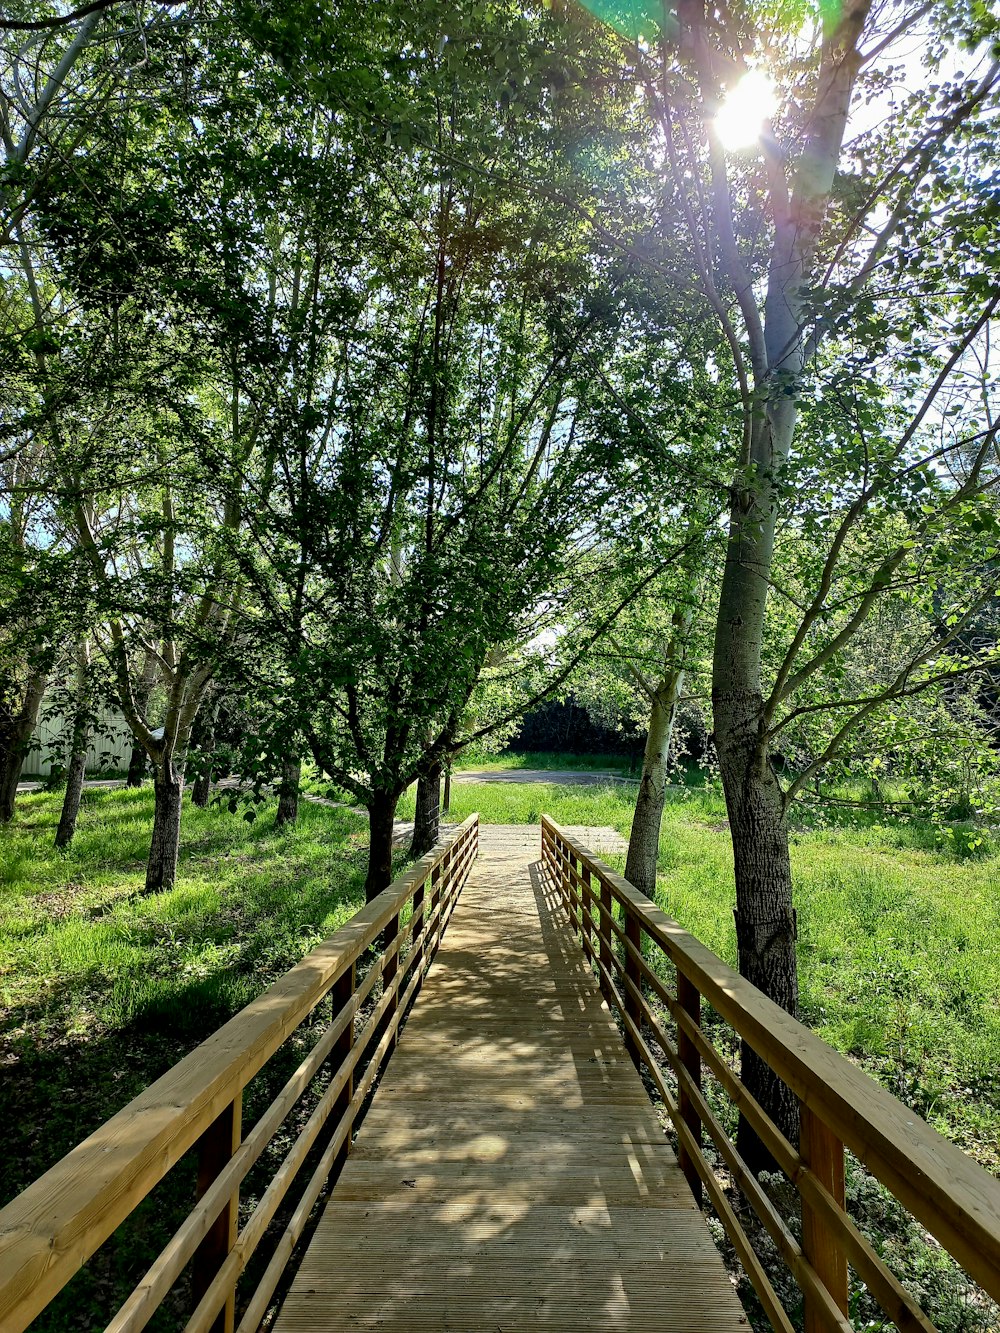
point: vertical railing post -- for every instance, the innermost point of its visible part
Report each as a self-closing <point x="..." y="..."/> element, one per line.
<point x="689" y="1000"/>
<point x="341" y="993"/>
<point x="432" y="942"/>
<point x="416" y="921"/>
<point x="604" y="917"/>
<point x="633" y="973"/>
<point x="215" y="1149"/>
<point x="447" y="888"/>
<point x="823" y="1153"/>
<point x="390" y="966"/>
<point x="586" y="920"/>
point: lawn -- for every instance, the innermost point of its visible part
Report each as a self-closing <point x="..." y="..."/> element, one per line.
<point x="103" y="987"/>
<point x="897" y="936"/>
<point x="544" y="759"/>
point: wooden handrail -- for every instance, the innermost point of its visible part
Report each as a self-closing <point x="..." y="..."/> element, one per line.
<point x="950" y="1194"/>
<point x="50" y="1230"/>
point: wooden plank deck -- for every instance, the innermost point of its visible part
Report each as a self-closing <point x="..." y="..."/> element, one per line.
<point x="511" y="1172"/>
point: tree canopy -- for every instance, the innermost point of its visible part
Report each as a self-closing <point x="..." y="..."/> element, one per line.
<point x="377" y="366"/>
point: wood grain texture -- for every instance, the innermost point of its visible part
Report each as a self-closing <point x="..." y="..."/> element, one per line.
<point x="511" y="1172"/>
<point x="955" y="1199"/>
<point x="50" y="1230"/>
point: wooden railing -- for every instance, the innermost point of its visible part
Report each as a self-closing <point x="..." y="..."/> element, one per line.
<point x="52" y="1229"/>
<point x="949" y="1194"/>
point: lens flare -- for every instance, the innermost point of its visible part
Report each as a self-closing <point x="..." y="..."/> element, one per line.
<point x="636" y="19"/>
<point x="741" y="116"/>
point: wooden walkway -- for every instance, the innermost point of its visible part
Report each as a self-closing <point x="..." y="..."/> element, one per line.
<point x="511" y="1172"/>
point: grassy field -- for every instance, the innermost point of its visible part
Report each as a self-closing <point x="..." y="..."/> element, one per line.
<point x="897" y="936"/>
<point x="102" y="987"/>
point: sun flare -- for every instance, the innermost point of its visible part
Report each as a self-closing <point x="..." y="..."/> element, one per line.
<point x="746" y="107"/>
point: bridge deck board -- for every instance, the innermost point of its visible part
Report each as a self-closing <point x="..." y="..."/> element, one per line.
<point x="511" y="1172"/>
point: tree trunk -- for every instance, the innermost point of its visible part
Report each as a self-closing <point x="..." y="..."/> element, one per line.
<point x="168" y="791"/>
<point x="644" y="841"/>
<point x="427" y="816"/>
<point x="765" y="921"/>
<point x="201" y="789"/>
<point x="765" y="931"/>
<point x="71" y="797"/>
<point x="203" y="739"/>
<point x="136" y="766"/>
<point x="78" y="753"/>
<point x="15" y="735"/>
<point x="446" y="805"/>
<point x="288" y="792"/>
<point x="137" y="759"/>
<point x="381" y="812"/>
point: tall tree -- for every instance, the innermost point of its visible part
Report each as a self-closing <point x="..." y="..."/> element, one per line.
<point x="821" y="256"/>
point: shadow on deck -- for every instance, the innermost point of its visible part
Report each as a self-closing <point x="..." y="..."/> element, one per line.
<point x="511" y="1171"/>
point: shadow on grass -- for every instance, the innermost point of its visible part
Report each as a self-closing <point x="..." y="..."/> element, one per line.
<point x="56" y="1091"/>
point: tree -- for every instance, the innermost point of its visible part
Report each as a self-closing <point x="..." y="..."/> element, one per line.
<point x="437" y="470"/>
<point x="820" y="257"/>
<point x="156" y="365"/>
<point x="79" y="728"/>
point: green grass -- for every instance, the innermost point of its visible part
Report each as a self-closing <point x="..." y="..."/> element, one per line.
<point x="515" y="803"/>
<point x="898" y="962"/>
<point x="103" y="988"/>
<point x="95" y="974"/>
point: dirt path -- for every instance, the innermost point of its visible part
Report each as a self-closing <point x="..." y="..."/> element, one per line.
<point x="563" y="777"/>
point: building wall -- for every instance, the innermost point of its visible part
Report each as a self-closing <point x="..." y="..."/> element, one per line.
<point x="109" y="748"/>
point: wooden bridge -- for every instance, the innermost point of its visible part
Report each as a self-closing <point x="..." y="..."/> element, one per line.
<point x="505" y="1168"/>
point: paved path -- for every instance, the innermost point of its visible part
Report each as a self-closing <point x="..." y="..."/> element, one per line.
<point x="563" y="777"/>
<point x="511" y="1172"/>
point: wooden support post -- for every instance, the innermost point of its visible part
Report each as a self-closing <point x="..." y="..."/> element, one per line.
<point x="432" y="942"/>
<point x="416" y="921"/>
<point x="390" y="966"/>
<point x="604" y="917"/>
<point x="341" y="992"/>
<point x="448" y="864"/>
<point x="215" y="1149"/>
<point x="586" y="920"/>
<point x="689" y="999"/>
<point x="633" y="974"/>
<point x="823" y="1153"/>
